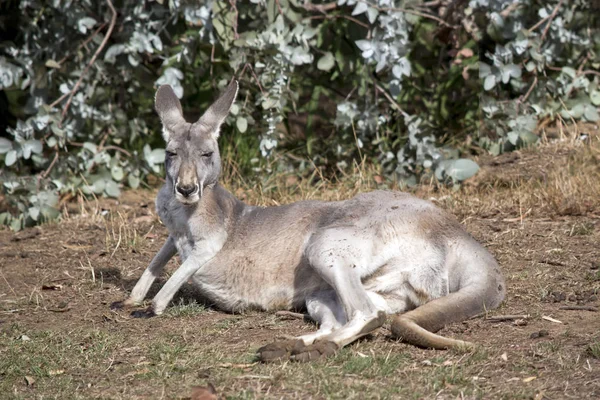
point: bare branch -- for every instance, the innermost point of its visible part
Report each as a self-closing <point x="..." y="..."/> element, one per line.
<point x="584" y="308"/>
<point x="389" y="98"/>
<point x="235" y="18"/>
<point x="113" y="21"/>
<point x="331" y="17"/>
<point x="554" y="12"/>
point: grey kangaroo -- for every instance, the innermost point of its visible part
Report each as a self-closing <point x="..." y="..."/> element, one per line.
<point x="348" y="263"/>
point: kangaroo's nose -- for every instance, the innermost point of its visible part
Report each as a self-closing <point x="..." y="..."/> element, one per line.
<point x="186" y="190"/>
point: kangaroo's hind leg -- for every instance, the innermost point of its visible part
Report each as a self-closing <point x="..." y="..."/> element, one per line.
<point x="339" y="255"/>
<point x="324" y="308"/>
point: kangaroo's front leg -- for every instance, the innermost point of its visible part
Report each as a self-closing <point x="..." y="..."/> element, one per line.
<point x="156" y="266"/>
<point x="190" y="266"/>
<point x="152" y="272"/>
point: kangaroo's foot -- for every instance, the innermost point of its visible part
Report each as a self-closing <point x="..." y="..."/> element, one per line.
<point x="296" y="350"/>
<point x="315" y="351"/>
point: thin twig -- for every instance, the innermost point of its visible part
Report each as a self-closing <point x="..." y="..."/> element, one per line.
<point x="120" y="149"/>
<point x="590" y="72"/>
<point x="85" y="42"/>
<point x="322" y="8"/>
<point x="279" y="7"/>
<point x="538" y="24"/>
<point x="291" y="314"/>
<point x="254" y="75"/>
<point x="584" y="308"/>
<point x="45" y="174"/>
<point x="508" y="10"/>
<point x="389" y="98"/>
<point x="113" y="21"/>
<point x="330" y="17"/>
<point x="500" y="318"/>
<point x="61" y="98"/>
<point x="109" y="147"/>
<point x="235" y="18"/>
<point x="414" y="12"/>
<point x="554" y="12"/>
<point x="524" y="99"/>
<point x="585" y="60"/>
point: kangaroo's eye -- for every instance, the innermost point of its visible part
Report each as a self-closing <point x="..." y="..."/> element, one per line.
<point x="170" y="153"/>
<point x="207" y="154"/>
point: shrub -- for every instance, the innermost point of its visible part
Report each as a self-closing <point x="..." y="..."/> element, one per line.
<point x="398" y="83"/>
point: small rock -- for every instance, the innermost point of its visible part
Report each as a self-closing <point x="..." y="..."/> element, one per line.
<point x="25" y="338"/>
<point x="539" y="334"/>
<point x="520" y="322"/>
<point x="504" y="357"/>
<point x="29" y="380"/>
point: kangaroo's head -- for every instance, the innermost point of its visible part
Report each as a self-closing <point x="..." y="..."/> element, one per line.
<point x="192" y="154"/>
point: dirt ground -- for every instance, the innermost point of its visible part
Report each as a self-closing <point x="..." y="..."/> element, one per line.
<point x="532" y="209"/>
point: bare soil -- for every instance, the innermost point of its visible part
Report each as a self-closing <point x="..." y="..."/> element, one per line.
<point x="59" y="338"/>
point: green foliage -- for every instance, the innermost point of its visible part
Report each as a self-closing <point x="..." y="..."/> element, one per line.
<point x="392" y="81"/>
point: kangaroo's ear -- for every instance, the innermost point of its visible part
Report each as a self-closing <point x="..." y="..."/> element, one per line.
<point x="218" y="111"/>
<point x="168" y="108"/>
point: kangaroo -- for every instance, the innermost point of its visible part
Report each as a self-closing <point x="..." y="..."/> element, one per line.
<point x="348" y="263"/>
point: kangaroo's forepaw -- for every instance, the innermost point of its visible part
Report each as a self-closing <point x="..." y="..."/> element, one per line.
<point x="315" y="351"/>
<point x="147" y="313"/>
<point x="296" y="350"/>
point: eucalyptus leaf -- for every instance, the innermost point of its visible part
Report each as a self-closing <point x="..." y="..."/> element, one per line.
<point x="112" y="189"/>
<point x="489" y="82"/>
<point x="326" y="62"/>
<point x="360" y="8"/>
<point x="49" y="213"/>
<point x="242" y="124"/>
<point x="133" y="181"/>
<point x="594" y="98"/>
<point x="156" y="156"/>
<point x="11" y="158"/>
<point x="34" y="213"/>
<point x="52" y="64"/>
<point x="98" y="185"/>
<point x="591" y="113"/>
<point x="117" y="173"/>
<point x="5" y="145"/>
<point x="462" y="169"/>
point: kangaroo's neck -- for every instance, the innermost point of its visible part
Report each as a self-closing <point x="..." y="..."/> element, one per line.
<point x="218" y="200"/>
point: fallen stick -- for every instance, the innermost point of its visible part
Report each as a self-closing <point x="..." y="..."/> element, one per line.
<point x="500" y="318"/>
<point x="584" y="308"/>
<point x="292" y="314"/>
<point x="556" y="321"/>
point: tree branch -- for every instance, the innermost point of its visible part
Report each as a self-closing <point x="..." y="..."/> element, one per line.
<point x="113" y="21"/>
<point x="389" y="98"/>
<point x="349" y="18"/>
<point x="85" y="42"/>
<point x="554" y="12"/>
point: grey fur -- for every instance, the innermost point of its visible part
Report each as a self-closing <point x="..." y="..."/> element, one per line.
<point x="347" y="262"/>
